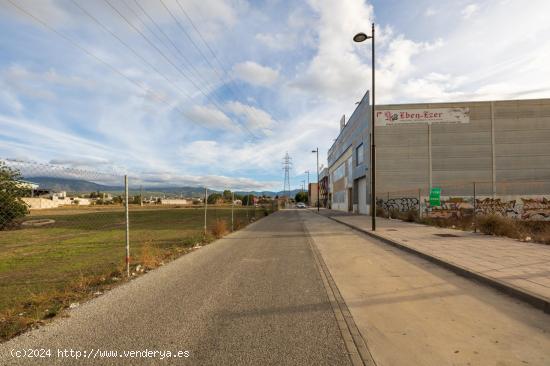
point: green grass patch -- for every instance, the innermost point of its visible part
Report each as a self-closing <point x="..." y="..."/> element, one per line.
<point x="43" y="269"/>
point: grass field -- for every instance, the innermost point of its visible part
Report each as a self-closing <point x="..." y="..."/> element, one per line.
<point x="43" y="269"/>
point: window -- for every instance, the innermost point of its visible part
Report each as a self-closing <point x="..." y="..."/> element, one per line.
<point x="359" y="154"/>
<point x="339" y="173"/>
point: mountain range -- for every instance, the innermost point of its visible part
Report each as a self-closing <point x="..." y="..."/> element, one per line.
<point x="84" y="186"/>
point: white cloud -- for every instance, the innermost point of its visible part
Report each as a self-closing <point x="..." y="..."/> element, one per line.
<point x="212" y="118"/>
<point x="255" y="74"/>
<point x="277" y="41"/>
<point x="430" y="12"/>
<point x="469" y="10"/>
<point x="256" y="119"/>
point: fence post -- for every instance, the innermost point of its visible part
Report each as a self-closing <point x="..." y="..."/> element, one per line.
<point x="419" y="203"/>
<point x="232" y="207"/>
<point x="205" y="207"/>
<point x="387" y="205"/>
<point x="474" y="218"/>
<point x="127" y="226"/>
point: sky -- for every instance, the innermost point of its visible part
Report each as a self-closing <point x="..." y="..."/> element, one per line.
<point x="215" y="92"/>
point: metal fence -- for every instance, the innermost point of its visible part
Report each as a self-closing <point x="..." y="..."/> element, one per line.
<point x="463" y="199"/>
<point x="95" y="222"/>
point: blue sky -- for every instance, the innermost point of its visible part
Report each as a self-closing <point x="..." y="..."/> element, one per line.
<point x="138" y="89"/>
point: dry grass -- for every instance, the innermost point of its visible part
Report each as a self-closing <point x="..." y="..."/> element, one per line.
<point x="85" y="269"/>
<point x="219" y="229"/>
<point x="149" y="256"/>
<point x="499" y="226"/>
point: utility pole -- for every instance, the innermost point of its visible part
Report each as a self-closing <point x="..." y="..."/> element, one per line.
<point x="205" y="207"/>
<point x="361" y="37"/>
<point x="287" y="164"/>
<point x="317" y="152"/>
<point x="127" y="226"/>
<point x="232" y="207"/>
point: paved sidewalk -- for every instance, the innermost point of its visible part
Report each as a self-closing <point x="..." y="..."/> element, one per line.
<point x="519" y="265"/>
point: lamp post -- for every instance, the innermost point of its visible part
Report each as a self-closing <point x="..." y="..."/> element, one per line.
<point x="360" y="37"/>
<point x="316" y="151"/>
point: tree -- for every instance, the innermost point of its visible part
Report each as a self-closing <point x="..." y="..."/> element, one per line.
<point x="248" y="200"/>
<point x="12" y="190"/>
<point x="227" y="195"/>
<point x="136" y="200"/>
<point x="301" y="197"/>
<point x="213" y="198"/>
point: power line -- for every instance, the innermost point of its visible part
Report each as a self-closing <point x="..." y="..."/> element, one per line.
<point x="205" y="43"/>
<point x="108" y="2"/>
<point x="130" y="48"/>
<point x="178" y="23"/>
<point x="188" y="65"/>
<point x="89" y="53"/>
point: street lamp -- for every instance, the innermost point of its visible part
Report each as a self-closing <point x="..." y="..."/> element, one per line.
<point x="317" y="152"/>
<point x="361" y="37"/>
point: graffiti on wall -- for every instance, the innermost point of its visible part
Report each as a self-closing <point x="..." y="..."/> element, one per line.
<point x="402" y="204"/>
<point x="453" y="207"/>
<point x="496" y="206"/>
<point x="534" y="209"/>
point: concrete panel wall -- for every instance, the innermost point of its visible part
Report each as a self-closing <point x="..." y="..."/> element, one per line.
<point x="517" y="132"/>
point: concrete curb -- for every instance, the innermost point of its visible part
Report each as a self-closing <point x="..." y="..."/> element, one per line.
<point x="509" y="289"/>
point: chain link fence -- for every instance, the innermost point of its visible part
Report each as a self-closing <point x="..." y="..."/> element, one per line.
<point x="61" y="226"/>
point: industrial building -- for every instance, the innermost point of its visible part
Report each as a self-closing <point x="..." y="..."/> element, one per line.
<point x="347" y="162"/>
<point x="501" y="146"/>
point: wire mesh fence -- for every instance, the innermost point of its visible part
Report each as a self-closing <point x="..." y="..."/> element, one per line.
<point x="58" y="225"/>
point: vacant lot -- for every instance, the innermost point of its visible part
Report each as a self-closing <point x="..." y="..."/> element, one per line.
<point x="84" y="250"/>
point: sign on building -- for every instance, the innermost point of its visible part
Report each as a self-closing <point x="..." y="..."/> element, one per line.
<point x="429" y="115"/>
<point x="435" y="197"/>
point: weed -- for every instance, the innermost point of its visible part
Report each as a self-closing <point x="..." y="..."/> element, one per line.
<point x="219" y="229"/>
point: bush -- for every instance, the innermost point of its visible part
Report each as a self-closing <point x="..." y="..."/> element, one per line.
<point x="380" y="212"/>
<point x="219" y="229"/>
<point x="409" y="216"/>
<point x="499" y="225"/>
<point x="12" y="207"/>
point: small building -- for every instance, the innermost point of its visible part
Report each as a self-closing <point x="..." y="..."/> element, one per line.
<point x="324" y="192"/>
<point x="312" y="194"/>
<point x="174" y="201"/>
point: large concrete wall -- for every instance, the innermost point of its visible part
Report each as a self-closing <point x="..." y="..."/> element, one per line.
<point x="504" y="141"/>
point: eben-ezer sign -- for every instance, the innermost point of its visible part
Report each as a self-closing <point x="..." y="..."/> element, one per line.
<point x="391" y="117"/>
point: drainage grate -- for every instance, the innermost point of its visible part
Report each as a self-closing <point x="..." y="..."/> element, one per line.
<point x="447" y="235"/>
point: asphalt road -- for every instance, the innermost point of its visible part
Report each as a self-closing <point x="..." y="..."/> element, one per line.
<point x="255" y="297"/>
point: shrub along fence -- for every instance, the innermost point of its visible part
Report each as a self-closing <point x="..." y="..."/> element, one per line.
<point x="475" y="205"/>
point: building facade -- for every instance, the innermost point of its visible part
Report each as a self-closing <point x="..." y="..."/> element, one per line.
<point x="503" y="146"/>
<point x="488" y="149"/>
<point x="348" y="162"/>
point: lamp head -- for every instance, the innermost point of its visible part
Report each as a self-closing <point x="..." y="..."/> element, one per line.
<point x="360" y="37"/>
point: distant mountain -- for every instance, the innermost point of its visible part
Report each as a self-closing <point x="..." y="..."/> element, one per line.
<point x="70" y="185"/>
<point x="84" y="186"/>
